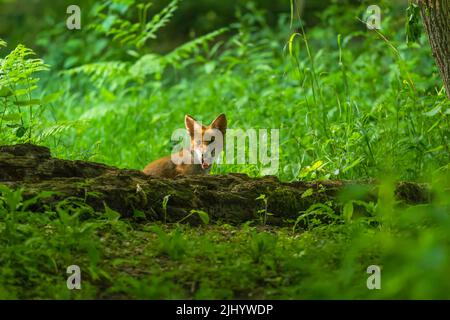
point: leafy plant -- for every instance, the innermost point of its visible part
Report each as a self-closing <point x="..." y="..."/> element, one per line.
<point x="412" y="23"/>
<point x="263" y="214"/>
<point x="18" y="80"/>
<point x="136" y="35"/>
<point x="172" y="244"/>
<point x="312" y="216"/>
<point x="261" y="245"/>
<point x="204" y="217"/>
<point x="164" y="206"/>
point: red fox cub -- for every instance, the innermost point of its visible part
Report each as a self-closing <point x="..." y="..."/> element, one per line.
<point x="205" y="145"/>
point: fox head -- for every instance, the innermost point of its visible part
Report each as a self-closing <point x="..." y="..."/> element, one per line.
<point x="206" y="141"/>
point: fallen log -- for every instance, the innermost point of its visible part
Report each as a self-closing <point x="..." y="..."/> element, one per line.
<point x="230" y="198"/>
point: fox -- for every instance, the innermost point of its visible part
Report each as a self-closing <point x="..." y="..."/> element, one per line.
<point x="206" y="143"/>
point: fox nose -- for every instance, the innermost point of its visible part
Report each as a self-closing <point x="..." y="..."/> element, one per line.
<point x="206" y="159"/>
<point x="205" y="164"/>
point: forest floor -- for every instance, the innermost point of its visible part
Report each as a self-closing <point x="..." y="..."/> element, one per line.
<point x="322" y="253"/>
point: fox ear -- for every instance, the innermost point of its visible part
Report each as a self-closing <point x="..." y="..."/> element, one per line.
<point x="190" y="123"/>
<point x="220" y="123"/>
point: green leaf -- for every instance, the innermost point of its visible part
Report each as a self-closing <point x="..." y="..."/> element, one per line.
<point x="348" y="211"/>
<point x="412" y="23"/>
<point x="433" y="111"/>
<point x="316" y="165"/>
<point x="353" y="164"/>
<point x="291" y="41"/>
<point x="11" y="117"/>
<point x="21" y="92"/>
<point x="28" y="102"/>
<point x="202" y="215"/>
<point x="261" y="197"/>
<point x="434" y="125"/>
<point x="165" y="201"/>
<point x="52" y="97"/>
<point x="210" y="67"/>
<point x="35" y="199"/>
<point x="138" y="214"/>
<point x="5" y="92"/>
<point x="20" y="132"/>
<point x="110" y="214"/>
<point x="307" y="193"/>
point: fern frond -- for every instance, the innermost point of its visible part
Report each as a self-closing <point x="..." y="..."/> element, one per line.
<point x="158" y="21"/>
<point x="17" y="68"/>
<point x="60" y="127"/>
<point x="190" y="47"/>
<point x="147" y="64"/>
<point x="100" y="71"/>
<point x="128" y="33"/>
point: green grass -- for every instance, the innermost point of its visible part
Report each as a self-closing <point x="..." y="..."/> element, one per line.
<point x="124" y="259"/>
<point x="349" y="103"/>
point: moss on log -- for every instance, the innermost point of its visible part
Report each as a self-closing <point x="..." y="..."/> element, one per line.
<point x="230" y="198"/>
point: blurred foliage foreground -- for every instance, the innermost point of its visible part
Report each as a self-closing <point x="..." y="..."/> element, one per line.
<point x="349" y="103"/>
<point x="123" y="259"/>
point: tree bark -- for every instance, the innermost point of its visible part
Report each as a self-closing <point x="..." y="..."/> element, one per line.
<point x="436" y="17"/>
<point x="226" y="198"/>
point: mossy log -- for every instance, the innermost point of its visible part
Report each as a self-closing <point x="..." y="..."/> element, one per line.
<point x="230" y="198"/>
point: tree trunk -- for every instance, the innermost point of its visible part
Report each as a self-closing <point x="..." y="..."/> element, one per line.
<point x="228" y="198"/>
<point x="436" y="18"/>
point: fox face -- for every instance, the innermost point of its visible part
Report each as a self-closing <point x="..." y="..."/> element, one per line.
<point x="206" y="141"/>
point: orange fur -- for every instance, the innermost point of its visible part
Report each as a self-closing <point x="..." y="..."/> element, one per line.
<point x="166" y="168"/>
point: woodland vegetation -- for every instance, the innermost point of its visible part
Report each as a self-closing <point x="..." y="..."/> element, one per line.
<point x="364" y="157"/>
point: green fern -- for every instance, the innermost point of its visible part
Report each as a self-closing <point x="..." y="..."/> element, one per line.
<point x="18" y="80"/>
<point x="158" y="21"/>
<point x="153" y="64"/>
<point x="187" y="49"/>
<point x="117" y="73"/>
<point x="136" y="34"/>
<point x="101" y="72"/>
<point x="120" y="73"/>
<point x="57" y="129"/>
<point x="17" y="70"/>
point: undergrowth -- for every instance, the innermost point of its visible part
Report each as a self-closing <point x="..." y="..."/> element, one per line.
<point x="350" y="104"/>
<point x="121" y="258"/>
